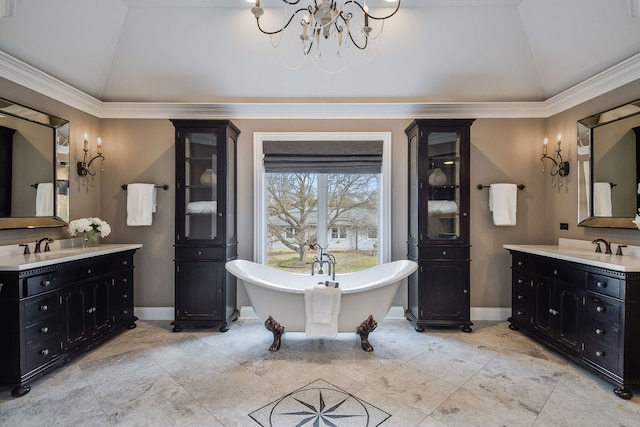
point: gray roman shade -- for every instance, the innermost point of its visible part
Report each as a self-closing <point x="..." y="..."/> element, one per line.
<point x="323" y="156"/>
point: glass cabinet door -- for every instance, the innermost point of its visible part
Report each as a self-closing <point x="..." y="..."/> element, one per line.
<point x="443" y="209"/>
<point x="200" y="184"/>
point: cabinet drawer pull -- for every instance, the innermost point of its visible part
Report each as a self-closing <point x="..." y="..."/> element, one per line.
<point x="600" y="331"/>
<point x="600" y="309"/>
<point x="199" y="252"/>
<point x="601" y="284"/>
<point x="125" y="280"/>
<point x="520" y="281"/>
<point x="125" y="311"/>
<point x="44" y="307"/>
<point x="44" y="329"/>
<point x="552" y="311"/>
<point x="444" y="252"/>
<point x="125" y="262"/>
<point x="88" y="271"/>
<point x="520" y="313"/>
<point x="520" y="297"/>
<point x="555" y="271"/>
<point x="600" y="353"/>
<point x="91" y="310"/>
<point x="520" y="263"/>
<point x="44" y="352"/>
<point x="125" y="296"/>
<point x="46" y="282"/>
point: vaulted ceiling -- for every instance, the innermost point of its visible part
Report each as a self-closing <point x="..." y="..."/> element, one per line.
<point x="210" y="51"/>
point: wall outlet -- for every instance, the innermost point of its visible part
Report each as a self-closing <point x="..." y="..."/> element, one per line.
<point x="564" y="226"/>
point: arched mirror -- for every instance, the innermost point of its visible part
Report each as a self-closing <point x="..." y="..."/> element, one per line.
<point x="609" y="167"/>
<point x="34" y="168"/>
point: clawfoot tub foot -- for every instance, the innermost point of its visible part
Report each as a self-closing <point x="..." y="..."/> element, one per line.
<point x="277" y="330"/>
<point x="363" y="330"/>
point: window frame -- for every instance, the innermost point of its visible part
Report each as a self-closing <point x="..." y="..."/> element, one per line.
<point x="259" y="199"/>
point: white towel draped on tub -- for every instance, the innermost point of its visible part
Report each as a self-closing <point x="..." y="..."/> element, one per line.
<point x="602" y="199"/>
<point x="503" y="202"/>
<point x="322" y="306"/>
<point x="44" y="199"/>
<point x="141" y="204"/>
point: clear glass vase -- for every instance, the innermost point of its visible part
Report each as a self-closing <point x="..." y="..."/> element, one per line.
<point x="90" y="238"/>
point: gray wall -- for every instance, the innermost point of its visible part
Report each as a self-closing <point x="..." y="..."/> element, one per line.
<point x="503" y="150"/>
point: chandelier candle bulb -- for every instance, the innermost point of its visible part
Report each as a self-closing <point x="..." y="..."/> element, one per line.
<point x="99" y="143"/>
<point x="86" y="143"/>
<point x="559" y="141"/>
<point x="544" y="146"/>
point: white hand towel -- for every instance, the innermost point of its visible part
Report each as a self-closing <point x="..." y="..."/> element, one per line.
<point x="503" y="202"/>
<point x="141" y="204"/>
<point x="602" y="199"/>
<point x="202" y="207"/>
<point x="322" y="307"/>
<point x="44" y="199"/>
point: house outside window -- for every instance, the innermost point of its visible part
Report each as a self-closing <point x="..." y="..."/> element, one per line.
<point x="338" y="233"/>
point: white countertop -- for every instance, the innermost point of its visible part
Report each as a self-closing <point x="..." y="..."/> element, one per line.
<point x="10" y="261"/>
<point x="583" y="252"/>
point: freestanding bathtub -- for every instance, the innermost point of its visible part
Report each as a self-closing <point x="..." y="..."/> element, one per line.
<point x="278" y="296"/>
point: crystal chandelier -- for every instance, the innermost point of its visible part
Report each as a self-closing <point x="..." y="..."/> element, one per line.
<point x="348" y="22"/>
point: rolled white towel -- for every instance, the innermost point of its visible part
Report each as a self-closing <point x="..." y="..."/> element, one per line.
<point x="202" y="207"/>
<point x="442" y="207"/>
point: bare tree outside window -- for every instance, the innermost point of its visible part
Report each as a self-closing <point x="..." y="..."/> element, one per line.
<point x="292" y="206"/>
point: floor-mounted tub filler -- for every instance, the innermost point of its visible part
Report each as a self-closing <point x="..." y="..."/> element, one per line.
<point x="278" y="297"/>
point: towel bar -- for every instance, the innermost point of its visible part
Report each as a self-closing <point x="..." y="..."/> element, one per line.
<point x="164" y="187"/>
<point x="480" y="186"/>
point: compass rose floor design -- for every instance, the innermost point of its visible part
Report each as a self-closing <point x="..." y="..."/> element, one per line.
<point x="319" y="404"/>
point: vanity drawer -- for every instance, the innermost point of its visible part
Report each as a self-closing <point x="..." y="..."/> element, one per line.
<point x="43" y="353"/>
<point x="42" y="331"/>
<point x="44" y="282"/>
<point x="604" y="284"/>
<point x="121" y="291"/>
<point x="40" y="308"/>
<point x="603" y="309"/>
<point x="601" y="354"/>
<point x="600" y="332"/>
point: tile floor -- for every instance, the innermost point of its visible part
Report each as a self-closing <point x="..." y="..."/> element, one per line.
<point x="150" y="376"/>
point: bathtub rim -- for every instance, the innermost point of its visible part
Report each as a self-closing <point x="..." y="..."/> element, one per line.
<point x="407" y="267"/>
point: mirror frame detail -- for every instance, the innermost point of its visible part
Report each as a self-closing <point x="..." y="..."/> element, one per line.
<point x="60" y="131"/>
<point x="585" y="129"/>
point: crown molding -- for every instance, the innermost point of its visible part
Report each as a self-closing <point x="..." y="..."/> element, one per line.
<point x="31" y="78"/>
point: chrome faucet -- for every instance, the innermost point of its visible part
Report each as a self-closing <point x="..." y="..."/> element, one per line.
<point x="607" y="246"/>
<point x="47" y="240"/>
<point x="324" y="258"/>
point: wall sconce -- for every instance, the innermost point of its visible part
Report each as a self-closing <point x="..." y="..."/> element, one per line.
<point x="560" y="167"/>
<point x="84" y="167"/>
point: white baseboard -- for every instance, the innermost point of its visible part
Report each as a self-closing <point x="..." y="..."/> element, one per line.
<point x="395" y="312"/>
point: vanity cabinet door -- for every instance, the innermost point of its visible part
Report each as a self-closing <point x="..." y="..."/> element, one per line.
<point x="557" y="314"/>
<point x="86" y="308"/>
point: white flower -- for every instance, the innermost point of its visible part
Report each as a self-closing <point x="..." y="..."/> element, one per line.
<point x="84" y="225"/>
<point x="637" y="221"/>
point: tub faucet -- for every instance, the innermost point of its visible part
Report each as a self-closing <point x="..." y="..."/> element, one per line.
<point x="47" y="240"/>
<point x="324" y="258"/>
<point x="607" y="246"/>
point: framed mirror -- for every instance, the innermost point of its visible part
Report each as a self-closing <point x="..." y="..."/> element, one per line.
<point x="609" y="168"/>
<point x="34" y="168"/>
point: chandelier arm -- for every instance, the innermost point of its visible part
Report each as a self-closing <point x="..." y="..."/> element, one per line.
<point x="366" y="41"/>
<point x="270" y="33"/>
<point x="379" y="18"/>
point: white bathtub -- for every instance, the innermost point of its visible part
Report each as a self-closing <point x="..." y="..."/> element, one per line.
<point x="278" y="296"/>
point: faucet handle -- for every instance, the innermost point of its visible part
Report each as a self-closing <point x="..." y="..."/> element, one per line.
<point x="619" y="250"/>
<point x="598" y="248"/>
<point x="26" y="248"/>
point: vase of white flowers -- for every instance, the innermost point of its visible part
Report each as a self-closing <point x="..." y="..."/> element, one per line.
<point x="636" y="221"/>
<point x="91" y="228"/>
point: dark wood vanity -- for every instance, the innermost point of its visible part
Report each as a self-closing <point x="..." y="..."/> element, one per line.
<point x="54" y="312"/>
<point x="588" y="313"/>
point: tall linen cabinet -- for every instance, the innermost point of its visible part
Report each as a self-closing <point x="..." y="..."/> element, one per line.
<point x="438" y="223"/>
<point x="206" y="223"/>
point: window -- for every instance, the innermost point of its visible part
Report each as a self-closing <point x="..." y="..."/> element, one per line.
<point x="347" y="203"/>
<point x="372" y="233"/>
<point x="338" y="232"/>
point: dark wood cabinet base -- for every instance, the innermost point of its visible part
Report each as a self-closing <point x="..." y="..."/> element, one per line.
<point x="223" y="326"/>
<point x="419" y="325"/>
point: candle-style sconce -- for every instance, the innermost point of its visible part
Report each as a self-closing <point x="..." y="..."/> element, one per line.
<point x="84" y="167"/>
<point x="560" y="167"/>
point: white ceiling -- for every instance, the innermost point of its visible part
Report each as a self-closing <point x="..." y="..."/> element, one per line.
<point x="210" y="51"/>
